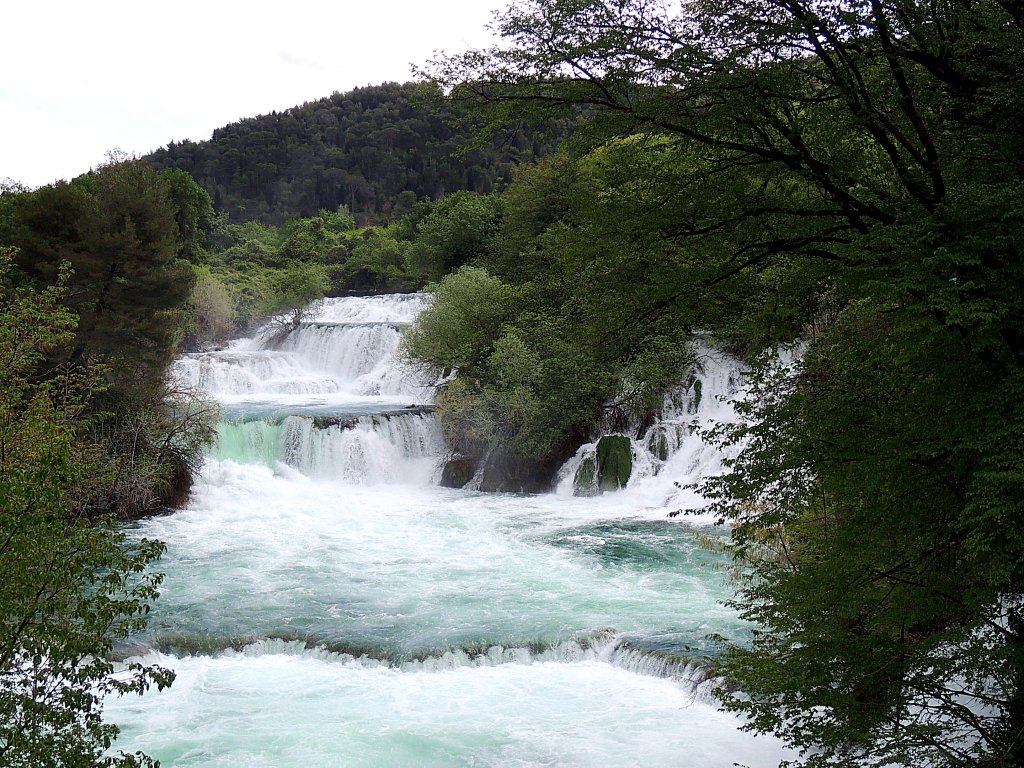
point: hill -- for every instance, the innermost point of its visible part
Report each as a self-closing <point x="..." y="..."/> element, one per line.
<point x="375" y="150"/>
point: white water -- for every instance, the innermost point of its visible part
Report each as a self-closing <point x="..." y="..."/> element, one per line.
<point x="345" y="350"/>
<point x="673" y="452"/>
<point x="326" y="604"/>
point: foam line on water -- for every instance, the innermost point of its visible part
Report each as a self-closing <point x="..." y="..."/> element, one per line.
<point x="607" y="646"/>
<point x="267" y="550"/>
<point x="289" y="710"/>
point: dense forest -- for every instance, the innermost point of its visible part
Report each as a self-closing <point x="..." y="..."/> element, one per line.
<point x="842" y="179"/>
<point x="375" y="150"/>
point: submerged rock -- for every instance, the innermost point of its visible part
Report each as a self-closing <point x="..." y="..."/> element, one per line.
<point x="584" y="483"/>
<point x="614" y="462"/>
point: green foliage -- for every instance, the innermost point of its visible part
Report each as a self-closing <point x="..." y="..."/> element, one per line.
<point x="497" y="397"/>
<point x="847" y="174"/>
<point x="124" y="230"/>
<point x="246" y="294"/>
<point x="294" y="286"/>
<point x="885" y="631"/>
<point x="71" y="587"/>
<point x="455" y="232"/>
<point x="376" y="264"/>
<point x="193" y="213"/>
<point x="459" y="328"/>
<point x="594" y="316"/>
<point x="212" y="310"/>
<point x="253" y="271"/>
<point x="118" y="231"/>
<point x="374" y="150"/>
<point x="155" y="448"/>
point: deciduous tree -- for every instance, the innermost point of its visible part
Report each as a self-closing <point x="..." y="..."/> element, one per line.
<point x="70" y="586"/>
<point x="857" y="158"/>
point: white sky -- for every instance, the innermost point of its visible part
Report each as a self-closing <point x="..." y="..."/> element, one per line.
<point x="81" y="77"/>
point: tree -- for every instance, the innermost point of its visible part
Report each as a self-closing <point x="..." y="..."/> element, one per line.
<point x="875" y="509"/>
<point x="125" y="231"/>
<point x="459" y="327"/>
<point x="455" y="232"/>
<point x="293" y="288"/>
<point x="213" y="311"/>
<point x="860" y="157"/>
<point x="373" y="150"/>
<point x="193" y="213"/>
<point x="847" y="103"/>
<point x="377" y="263"/>
<point x="117" y="229"/>
<point x="71" y="586"/>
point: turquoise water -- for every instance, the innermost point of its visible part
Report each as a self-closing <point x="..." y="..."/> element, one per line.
<point x="327" y="604"/>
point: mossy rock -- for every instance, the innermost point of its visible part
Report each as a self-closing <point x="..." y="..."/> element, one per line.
<point x="457" y="472"/>
<point x="698" y="394"/>
<point x="657" y="443"/>
<point x="614" y="462"/>
<point x="584" y="482"/>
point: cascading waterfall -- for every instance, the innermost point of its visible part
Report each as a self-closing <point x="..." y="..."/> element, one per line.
<point x="322" y="355"/>
<point x="326" y="603"/>
<point x="673" y="451"/>
<point x="387" y="447"/>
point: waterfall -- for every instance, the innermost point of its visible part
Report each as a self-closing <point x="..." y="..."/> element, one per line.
<point x="385" y="447"/>
<point x="309" y="358"/>
<point x="394" y="308"/>
<point x="326" y="602"/>
<point x="360" y="430"/>
<point x="674" y="450"/>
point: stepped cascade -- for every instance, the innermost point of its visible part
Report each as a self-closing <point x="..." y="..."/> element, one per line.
<point x="326" y="603"/>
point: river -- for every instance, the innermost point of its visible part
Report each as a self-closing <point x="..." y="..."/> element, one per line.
<point x="326" y="603"/>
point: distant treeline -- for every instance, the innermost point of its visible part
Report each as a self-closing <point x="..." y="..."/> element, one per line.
<point x="375" y="150"/>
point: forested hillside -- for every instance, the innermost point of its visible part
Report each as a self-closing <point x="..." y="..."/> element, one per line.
<point x="376" y="150"/>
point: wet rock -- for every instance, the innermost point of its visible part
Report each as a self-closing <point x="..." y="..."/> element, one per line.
<point x="458" y="472"/>
<point x="657" y="443"/>
<point x="504" y="474"/>
<point x="614" y="462"/>
<point x="584" y="482"/>
<point x="341" y="422"/>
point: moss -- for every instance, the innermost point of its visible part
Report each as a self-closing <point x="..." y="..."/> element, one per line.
<point x="614" y="462"/>
<point x="657" y="444"/>
<point x="698" y="391"/>
<point x="584" y="483"/>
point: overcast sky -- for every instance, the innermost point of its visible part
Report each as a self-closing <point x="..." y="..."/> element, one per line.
<point x="81" y="77"/>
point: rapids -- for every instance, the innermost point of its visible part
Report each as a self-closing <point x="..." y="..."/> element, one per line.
<point x="327" y="604"/>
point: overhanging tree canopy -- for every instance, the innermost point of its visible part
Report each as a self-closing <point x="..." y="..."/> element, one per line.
<point x="873" y="151"/>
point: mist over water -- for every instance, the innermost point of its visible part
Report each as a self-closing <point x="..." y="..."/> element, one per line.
<point x="327" y="604"/>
